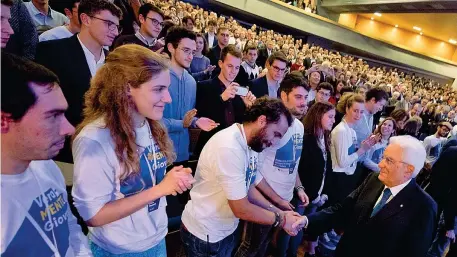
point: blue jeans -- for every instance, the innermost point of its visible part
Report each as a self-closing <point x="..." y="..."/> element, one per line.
<point x="255" y="241"/>
<point x="441" y="242"/>
<point x="160" y="250"/>
<point x="195" y="247"/>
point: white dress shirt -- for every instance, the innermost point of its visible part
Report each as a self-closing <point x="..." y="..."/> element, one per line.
<point x="90" y="58"/>
<point x="394" y="190"/>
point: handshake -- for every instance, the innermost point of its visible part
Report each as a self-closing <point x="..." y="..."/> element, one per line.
<point x="292" y="222"/>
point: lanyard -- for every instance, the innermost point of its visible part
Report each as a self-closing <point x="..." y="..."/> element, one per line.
<point x="247" y="162"/>
<point x="149" y="157"/>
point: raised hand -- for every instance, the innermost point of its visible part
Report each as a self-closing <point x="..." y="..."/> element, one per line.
<point x="206" y="124"/>
<point x="188" y="117"/>
<point x="249" y="99"/>
<point x="177" y="180"/>
<point x="229" y="92"/>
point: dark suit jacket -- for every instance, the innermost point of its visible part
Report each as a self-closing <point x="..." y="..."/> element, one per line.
<point x="209" y="104"/>
<point x="207" y="40"/>
<point x="404" y="227"/>
<point x="312" y="166"/>
<point x="262" y="58"/>
<point x="65" y="57"/>
<point x="259" y="86"/>
<point x="214" y="55"/>
<point x="443" y="183"/>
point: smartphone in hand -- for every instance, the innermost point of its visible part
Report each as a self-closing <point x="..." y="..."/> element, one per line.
<point x="241" y="91"/>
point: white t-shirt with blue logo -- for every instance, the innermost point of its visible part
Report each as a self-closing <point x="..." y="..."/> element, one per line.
<point x="278" y="164"/>
<point x="96" y="183"/>
<point x="35" y="216"/>
<point x="226" y="169"/>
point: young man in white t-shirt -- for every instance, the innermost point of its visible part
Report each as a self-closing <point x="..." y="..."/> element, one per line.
<point x="277" y="168"/>
<point x="225" y="190"/>
<point x="433" y="143"/>
<point x="35" y="214"/>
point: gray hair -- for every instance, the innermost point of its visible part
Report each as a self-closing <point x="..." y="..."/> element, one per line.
<point x="413" y="151"/>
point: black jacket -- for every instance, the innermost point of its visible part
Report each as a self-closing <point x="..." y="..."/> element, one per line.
<point x="263" y="56"/>
<point x="65" y="57"/>
<point x="259" y="86"/>
<point x="207" y="40"/>
<point x="443" y="183"/>
<point x="404" y="227"/>
<point x="312" y="166"/>
<point x="209" y="104"/>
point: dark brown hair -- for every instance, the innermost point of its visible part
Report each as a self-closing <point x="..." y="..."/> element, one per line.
<point x="278" y="55"/>
<point x="312" y="122"/>
<point x="232" y="50"/>
<point x="205" y="43"/>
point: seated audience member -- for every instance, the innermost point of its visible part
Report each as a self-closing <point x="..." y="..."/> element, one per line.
<point x="386" y="129"/>
<point x="277" y="176"/>
<point x="249" y="69"/>
<point x="120" y="182"/>
<point x="67" y="30"/>
<point x="434" y="143"/>
<point x="225" y="178"/>
<point x="388" y="209"/>
<point x="6" y="29"/>
<point x="269" y="84"/>
<point x="130" y="10"/>
<point x="180" y="115"/>
<point x="76" y="59"/>
<point x="200" y="67"/>
<point x="361" y="90"/>
<point x="315" y="164"/>
<point x="264" y="53"/>
<point x="34" y="196"/>
<point x="44" y="18"/>
<point x="324" y="91"/>
<point x="340" y="84"/>
<point x="443" y="189"/>
<point x="412" y="127"/>
<point x="151" y="23"/>
<point x="25" y="39"/>
<point x="217" y="98"/>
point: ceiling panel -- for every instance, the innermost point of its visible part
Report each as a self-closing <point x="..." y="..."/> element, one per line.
<point x="441" y="26"/>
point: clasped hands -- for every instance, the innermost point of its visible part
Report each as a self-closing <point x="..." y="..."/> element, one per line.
<point x="293" y="222"/>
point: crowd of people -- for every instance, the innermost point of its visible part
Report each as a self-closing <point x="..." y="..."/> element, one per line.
<point x="304" y="145"/>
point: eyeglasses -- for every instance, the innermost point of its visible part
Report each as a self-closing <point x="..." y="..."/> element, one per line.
<point x="277" y="69"/>
<point x="155" y="22"/>
<point x="111" y="25"/>
<point x="323" y="94"/>
<point x="187" y="51"/>
<point x="391" y="161"/>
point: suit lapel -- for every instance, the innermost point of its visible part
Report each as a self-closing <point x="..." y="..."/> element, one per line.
<point x="396" y="205"/>
<point x="265" y="88"/>
<point x="79" y="58"/>
<point x="369" y="200"/>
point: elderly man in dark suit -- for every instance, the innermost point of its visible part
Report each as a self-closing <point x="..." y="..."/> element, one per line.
<point x="389" y="215"/>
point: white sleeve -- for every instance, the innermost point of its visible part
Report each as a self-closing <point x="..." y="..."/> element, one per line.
<point x="230" y="169"/>
<point x="94" y="177"/>
<point x="258" y="178"/>
<point x="78" y="241"/>
<point x="340" y="142"/>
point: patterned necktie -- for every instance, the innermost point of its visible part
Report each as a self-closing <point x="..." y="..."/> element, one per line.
<point x="385" y="195"/>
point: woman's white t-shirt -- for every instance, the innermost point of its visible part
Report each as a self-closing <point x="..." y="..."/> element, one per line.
<point x="96" y="183"/>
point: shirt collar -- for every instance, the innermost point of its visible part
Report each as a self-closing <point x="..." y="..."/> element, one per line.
<point x="35" y="11"/>
<point x="272" y="83"/>
<point x="143" y="39"/>
<point x="88" y="52"/>
<point x="396" y="189"/>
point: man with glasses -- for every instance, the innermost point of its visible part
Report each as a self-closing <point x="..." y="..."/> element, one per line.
<point x="76" y="59"/>
<point x="151" y="23"/>
<point x="324" y="91"/>
<point x="389" y="215"/>
<point x="67" y="30"/>
<point x="269" y="84"/>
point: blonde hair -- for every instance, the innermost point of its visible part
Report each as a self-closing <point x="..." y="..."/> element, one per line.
<point x="128" y="65"/>
<point x="347" y="100"/>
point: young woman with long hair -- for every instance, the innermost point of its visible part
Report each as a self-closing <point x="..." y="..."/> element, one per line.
<point x="200" y="67"/>
<point x="386" y="129"/>
<point x="121" y="152"/>
<point x="315" y="163"/>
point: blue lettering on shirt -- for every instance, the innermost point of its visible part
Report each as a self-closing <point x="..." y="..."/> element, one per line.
<point x="352" y="149"/>
<point x="28" y="242"/>
<point x="251" y="171"/>
<point x="377" y="155"/>
<point x="284" y="158"/>
<point x="142" y="181"/>
<point x="435" y="151"/>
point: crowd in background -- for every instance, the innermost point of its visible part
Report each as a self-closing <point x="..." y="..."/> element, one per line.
<point x="216" y="83"/>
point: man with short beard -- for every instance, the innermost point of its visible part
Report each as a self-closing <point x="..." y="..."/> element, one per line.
<point x="434" y="143"/>
<point x="224" y="191"/>
<point x="278" y="176"/>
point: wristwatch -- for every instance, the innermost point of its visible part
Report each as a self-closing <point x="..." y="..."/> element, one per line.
<point x="299" y="187"/>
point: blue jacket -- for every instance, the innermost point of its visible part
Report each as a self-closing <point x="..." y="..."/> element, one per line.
<point x="183" y="92"/>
